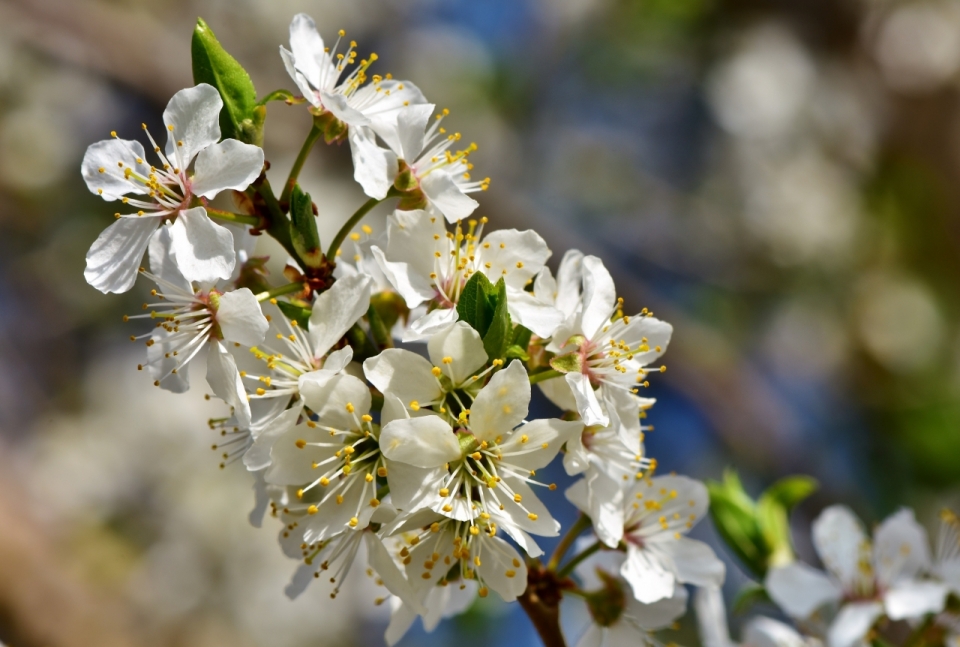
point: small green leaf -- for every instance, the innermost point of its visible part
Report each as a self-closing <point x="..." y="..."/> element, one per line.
<point x="475" y="305"/>
<point x="516" y="352"/>
<point x="296" y="313"/>
<point x="500" y="332"/>
<point x="380" y="332"/>
<point x="749" y="595"/>
<point x="212" y="64"/>
<point x="569" y="363"/>
<point x="791" y="490"/>
<point x="521" y="337"/>
<point x="773" y="508"/>
<point x="303" y="228"/>
<point x="734" y="515"/>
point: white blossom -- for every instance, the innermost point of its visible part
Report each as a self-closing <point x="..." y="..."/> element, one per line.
<point x="865" y="581"/>
<point x="429" y="265"/>
<point x="656" y="514"/>
<point x="116" y="168"/>
<point x="317" y="71"/>
<point x="418" y="164"/>
<point x="605" y="356"/>
<point x="618" y="619"/>
<point x="190" y="320"/>
<point x="481" y="469"/>
<point x="759" y="631"/>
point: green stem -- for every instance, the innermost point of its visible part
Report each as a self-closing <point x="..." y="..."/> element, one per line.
<point x="350" y="224"/>
<point x="549" y="374"/>
<point x="289" y="288"/>
<point x="228" y="216"/>
<point x="579" y="557"/>
<point x="279" y="226"/>
<point x="312" y="138"/>
<point x="581" y="524"/>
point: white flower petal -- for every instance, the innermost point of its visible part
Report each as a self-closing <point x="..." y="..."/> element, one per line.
<point x="338" y="359"/>
<point x="462" y="344"/>
<point x="497" y="567"/>
<point x="228" y="165"/>
<point x="517" y="256"/>
<point x="599" y="296"/>
<point x="800" y="590"/>
<point x="160" y="362"/>
<point x="224" y="378"/>
<point x="374" y="168"/>
<point x="336" y="310"/>
<point x="414" y="488"/>
<point x="601" y="498"/>
<point x="569" y="280"/>
<point x="332" y="399"/>
<point x="536" y="443"/>
<point x="102" y="171"/>
<point x="852" y="623"/>
<point x="766" y="632"/>
<point x="382" y="102"/>
<point x="413" y="237"/>
<point x="502" y="404"/>
<point x="258" y="456"/>
<point x="913" y="599"/>
<point x="443" y="193"/>
<point x="712" y="618"/>
<point x="115" y="256"/>
<point x="240" y="318"/>
<point x="649" y="577"/>
<point x="840" y="541"/>
<point x="558" y="392"/>
<point x="694" y="562"/>
<point x="431" y="324"/>
<point x="412" y="286"/>
<point x="203" y="249"/>
<point x="194" y="114"/>
<point x="383" y="564"/>
<point x="309" y="54"/>
<point x="403" y="374"/>
<point x="542" y="319"/>
<point x="421" y="442"/>
<point x="658" y="615"/>
<point x="163" y="264"/>
<point x="412" y="123"/>
<point x="340" y="107"/>
<point x="900" y="548"/>
<point x="302" y="83"/>
<point x="587" y="403"/>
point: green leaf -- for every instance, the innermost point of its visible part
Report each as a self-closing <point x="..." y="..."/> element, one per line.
<point x="212" y="64"/>
<point x="500" y="332"/>
<point x="734" y="515"/>
<point x="521" y="337"/>
<point x="516" y="352"/>
<point x="296" y="313"/>
<point x="791" y="490"/>
<point x="380" y="332"/>
<point x="303" y="228"/>
<point x="749" y="595"/>
<point x="773" y="508"/>
<point x="475" y="305"/>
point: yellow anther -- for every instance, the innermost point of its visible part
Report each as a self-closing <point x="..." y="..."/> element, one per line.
<point x="353" y="522"/>
<point x="312" y="510"/>
<point x="436" y="371"/>
<point x="517" y="498"/>
<point x="414" y="405"/>
<point x="301" y="443"/>
<point x="532" y="517"/>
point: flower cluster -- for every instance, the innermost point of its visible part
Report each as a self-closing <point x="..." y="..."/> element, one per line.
<point x="381" y="398"/>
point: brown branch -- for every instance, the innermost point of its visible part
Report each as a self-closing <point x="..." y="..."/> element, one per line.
<point x="541" y="602"/>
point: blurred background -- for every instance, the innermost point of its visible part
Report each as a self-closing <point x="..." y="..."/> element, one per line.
<point x="777" y="178"/>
